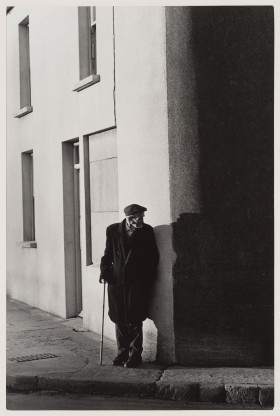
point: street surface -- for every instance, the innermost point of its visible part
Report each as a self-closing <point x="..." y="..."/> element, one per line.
<point x="54" y="401"/>
<point x="76" y="368"/>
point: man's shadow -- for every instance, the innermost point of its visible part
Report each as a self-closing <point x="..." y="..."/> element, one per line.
<point x="160" y="346"/>
<point x="209" y="289"/>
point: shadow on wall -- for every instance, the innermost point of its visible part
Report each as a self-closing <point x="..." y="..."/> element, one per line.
<point x="223" y="276"/>
<point x="161" y="309"/>
<point x="223" y="291"/>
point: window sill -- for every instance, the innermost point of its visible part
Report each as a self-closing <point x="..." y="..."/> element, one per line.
<point x="27" y="244"/>
<point x="86" y="82"/>
<point x="23" y="111"/>
<point x="94" y="265"/>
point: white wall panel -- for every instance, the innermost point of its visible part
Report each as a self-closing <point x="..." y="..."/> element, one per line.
<point x="99" y="223"/>
<point x="104" y="185"/>
<point x="97" y="149"/>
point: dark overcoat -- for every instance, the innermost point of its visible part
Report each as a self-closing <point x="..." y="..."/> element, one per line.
<point x="129" y="271"/>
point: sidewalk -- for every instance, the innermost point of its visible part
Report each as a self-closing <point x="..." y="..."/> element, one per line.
<point x="73" y="366"/>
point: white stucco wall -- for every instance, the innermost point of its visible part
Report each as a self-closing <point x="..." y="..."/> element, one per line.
<point x="143" y="170"/>
<point x="37" y="276"/>
<point x="141" y="104"/>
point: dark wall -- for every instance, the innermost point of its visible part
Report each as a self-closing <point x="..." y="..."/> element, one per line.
<point x="223" y="276"/>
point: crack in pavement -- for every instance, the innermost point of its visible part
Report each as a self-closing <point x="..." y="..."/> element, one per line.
<point x="80" y="369"/>
<point x="40" y="342"/>
<point x="58" y="339"/>
<point x="33" y="330"/>
<point x="36" y="382"/>
<point x="161" y="371"/>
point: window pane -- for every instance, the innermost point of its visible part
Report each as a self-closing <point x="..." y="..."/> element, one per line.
<point x="28" y="200"/>
<point x="84" y="41"/>
<point x="24" y="64"/>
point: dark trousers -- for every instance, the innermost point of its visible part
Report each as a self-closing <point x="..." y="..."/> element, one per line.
<point x="130" y="338"/>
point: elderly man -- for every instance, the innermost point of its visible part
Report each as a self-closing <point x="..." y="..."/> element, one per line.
<point x="129" y="266"/>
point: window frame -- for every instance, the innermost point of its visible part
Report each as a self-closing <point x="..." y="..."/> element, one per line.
<point x="24" y="69"/>
<point x="28" y="196"/>
<point x="87" y="42"/>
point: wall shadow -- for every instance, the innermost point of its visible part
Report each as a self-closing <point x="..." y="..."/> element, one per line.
<point x="162" y="302"/>
<point x="223" y="276"/>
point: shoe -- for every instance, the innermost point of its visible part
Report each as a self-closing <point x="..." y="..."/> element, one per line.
<point x="120" y="359"/>
<point x="133" y="361"/>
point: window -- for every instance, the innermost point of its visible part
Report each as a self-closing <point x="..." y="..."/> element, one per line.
<point x="24" y="69"/>
<point x="28" y="196"/>
<point x="87" y="47"/>
<point x="87" y="200"/>
<point x="93" y="39"/>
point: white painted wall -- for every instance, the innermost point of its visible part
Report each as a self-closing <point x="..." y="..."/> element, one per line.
<point x="141" y="103"/>
<point x="143" y="170"/>
<point x="37" y="276"/>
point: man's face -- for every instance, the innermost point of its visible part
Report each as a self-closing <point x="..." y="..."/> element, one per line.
<point x="136" y="220"/>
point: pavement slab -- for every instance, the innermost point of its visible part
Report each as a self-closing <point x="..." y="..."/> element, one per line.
<point x="219" y="375"/>
<point x="266" y="395"/>
<point x="212" y="392"/>
<point x="242" y="393"/>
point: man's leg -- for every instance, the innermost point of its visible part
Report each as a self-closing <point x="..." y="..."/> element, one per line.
<point x="122" y="337"/>
<point x="136" y="338"/>
<point x="135" y="345"/>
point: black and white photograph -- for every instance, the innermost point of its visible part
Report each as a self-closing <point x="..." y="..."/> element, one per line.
<point x="139" y="210"/>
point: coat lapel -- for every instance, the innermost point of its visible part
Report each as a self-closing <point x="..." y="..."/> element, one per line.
<point x="121" y="238"/>
<point x="134" y="239"/>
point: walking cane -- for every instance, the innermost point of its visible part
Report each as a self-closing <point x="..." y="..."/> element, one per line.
<point x="102" y="329"/>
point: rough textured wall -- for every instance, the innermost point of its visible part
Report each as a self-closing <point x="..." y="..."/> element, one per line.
<point x="223" y="276"/>
<point x="182" y="113"/>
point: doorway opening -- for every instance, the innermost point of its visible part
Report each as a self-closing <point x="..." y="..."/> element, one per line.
<point x="71" y="211"/>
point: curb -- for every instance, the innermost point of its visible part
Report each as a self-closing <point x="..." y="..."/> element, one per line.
<point x="252" y="394"/>
<point x="75" y="384"/>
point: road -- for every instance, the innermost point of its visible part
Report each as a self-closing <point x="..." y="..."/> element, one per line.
<point x="63" y="401"/>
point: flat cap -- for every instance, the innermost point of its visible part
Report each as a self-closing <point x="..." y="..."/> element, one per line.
<point x="133" y="208"/>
